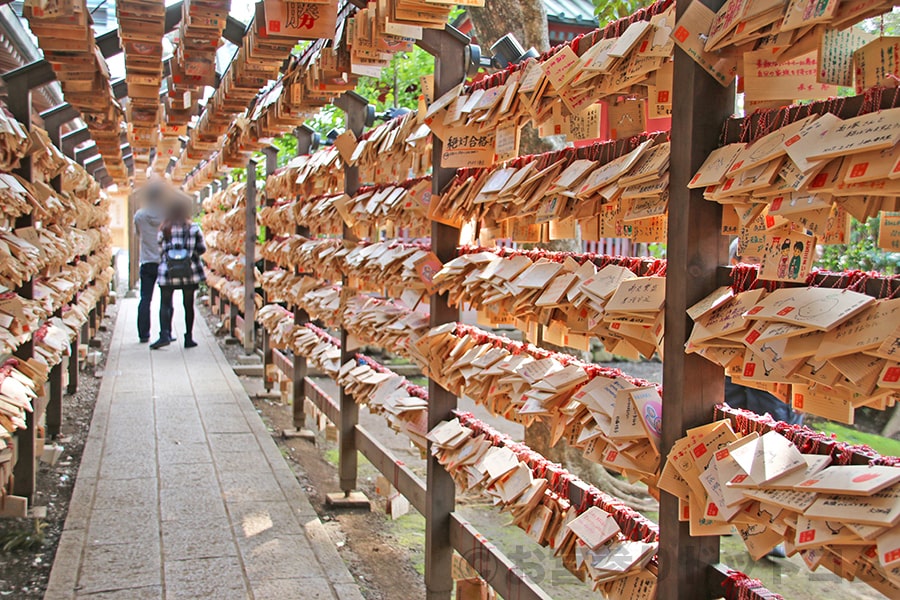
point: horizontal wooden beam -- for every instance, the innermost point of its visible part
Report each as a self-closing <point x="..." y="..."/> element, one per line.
<point x="759" y="123"/>
<point x="492" y="564"/>
<point x="33" y="75"/>
<point x="81" y="156"/>
<point x="501" y="573"/>
<point x="92" y="164"/>
<point x="119" y="88"/>
<point x="884" y="286"/>
<point x="323" y="401"/>
<point x="719" y="574"/>
<point x="72" y="139"/>
<point x="109" y="43"/>
<point x="400" y="476"/>
<point x="60" y="114"/>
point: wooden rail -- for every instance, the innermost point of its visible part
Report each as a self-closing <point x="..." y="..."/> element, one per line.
<point x="490" y="562"/>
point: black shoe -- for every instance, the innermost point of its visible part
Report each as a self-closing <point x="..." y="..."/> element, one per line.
<point x="189" y="343"/>
<point x="160" y="343"/>
<point x="144" y="340"/>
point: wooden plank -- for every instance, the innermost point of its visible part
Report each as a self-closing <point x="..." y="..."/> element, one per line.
<point x="304" y="146"/>
<point x="233" y="317"/>
<point x="776" y="118"/>
<point x="719" y="574"/>
<point x="53" y="421"/>
<point x="355" y="108"/>
<point x="247" y="326"/>
<point x="13" y="506"/>
<point x="73" y="364"/>
<point x="19" y="104"/>
<point x="501" y="573"/>
<point x="400" y="476"/>
<point x="298" y="376"/>
<point x="323" y="402"/>
<point x="692" y="385"/>
<point x="271" y="154"/>
<point x="496" y="568"/>
<point x="283" y="362"/>
<point x="877" y="287"/>
<point x="449" y="70"/>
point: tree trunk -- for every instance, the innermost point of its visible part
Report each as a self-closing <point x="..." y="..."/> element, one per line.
<point x="527" y="20"/>
<point x="892" y="427"/>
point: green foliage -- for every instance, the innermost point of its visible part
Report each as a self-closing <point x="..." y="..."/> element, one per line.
<point x="882" y="445"/>
<point x="399" y="82"/>
<point x="287" y="148"/>
<point x="611" y="10"/>
<point x="330" y="117"/>
<point x="862" y="252"/>
<point x="240" y="173"/>
<point x="888" y="24"/>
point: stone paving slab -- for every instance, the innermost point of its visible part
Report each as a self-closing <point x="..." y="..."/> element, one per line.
<point x="183" y="494"/>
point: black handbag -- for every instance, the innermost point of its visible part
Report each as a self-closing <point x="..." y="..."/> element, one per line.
<point x="178" y="263"/>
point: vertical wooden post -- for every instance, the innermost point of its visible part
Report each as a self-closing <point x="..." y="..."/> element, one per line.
<point x="72" y="387"/>
<point x="250" y="259"/>
<point x="692" y="385"/>
<point x="53" y="419"/>
<point x="271" y="165"/>
<point x="355" y="108"/>
<point x="447" y="47"/>
<point x="304" y="137"/>
<point x="134" y="245"/>
<point x="227" y="311"/>
<point x="232" y="315"/>
<point x="24" y="472"/>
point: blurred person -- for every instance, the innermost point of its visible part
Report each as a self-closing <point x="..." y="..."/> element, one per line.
<point x="181" y="245"/>
<point x="147" y="221"/>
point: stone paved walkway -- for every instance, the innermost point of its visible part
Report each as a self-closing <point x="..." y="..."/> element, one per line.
<point x="183" y="494"/>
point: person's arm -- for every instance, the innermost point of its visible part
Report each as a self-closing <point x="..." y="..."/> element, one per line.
<point x="161" y="240"/>
<point x="200" y="244"/>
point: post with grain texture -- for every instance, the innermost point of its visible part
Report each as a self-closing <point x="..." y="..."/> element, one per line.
<point x="250" y="259"/>
<point x="271" y="154"/>
<point x="691" y="384"/>
<point x="355" y="108"/>
<point x="304" y="137"/>
<point x="53" y="121"/>
<point x="448" y="48"/>
<point x="19" y="84"/>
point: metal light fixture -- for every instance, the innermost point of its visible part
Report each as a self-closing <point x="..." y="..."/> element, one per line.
<point x="505" y="51"/>
<point x="392" y="113"/>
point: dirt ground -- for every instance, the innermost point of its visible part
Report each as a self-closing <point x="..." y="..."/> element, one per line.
<point x="25" y="573"/>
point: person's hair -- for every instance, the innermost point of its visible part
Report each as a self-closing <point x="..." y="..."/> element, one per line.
<point x="798" y="245"/>
<point x="786" y="244"/>
<point x="178" y="214"/>
<point x="154" y="193"/>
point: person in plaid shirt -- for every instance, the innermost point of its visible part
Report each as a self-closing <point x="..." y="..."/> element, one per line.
<point x="178" y="233"/>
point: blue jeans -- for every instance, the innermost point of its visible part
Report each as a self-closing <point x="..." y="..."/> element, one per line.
<point x="148" y="273"/>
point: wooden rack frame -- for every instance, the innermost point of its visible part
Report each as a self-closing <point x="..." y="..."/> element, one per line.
<point x="688" y="566"/>
<point x="20" y="83"/>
